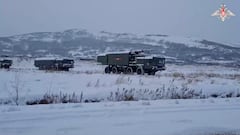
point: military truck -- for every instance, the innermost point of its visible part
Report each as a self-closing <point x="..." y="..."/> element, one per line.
<point x="5" y="63"/>
<point x="131" y="62"/>
<point x="54" y="64"/>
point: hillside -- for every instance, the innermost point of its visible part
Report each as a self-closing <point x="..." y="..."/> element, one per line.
<point x="80" y="43"/>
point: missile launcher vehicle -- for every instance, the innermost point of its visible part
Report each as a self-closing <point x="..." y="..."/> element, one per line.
<point x="131" y="62"/>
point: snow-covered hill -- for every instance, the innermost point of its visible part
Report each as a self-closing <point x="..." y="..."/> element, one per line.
<point x="81" y="43"/>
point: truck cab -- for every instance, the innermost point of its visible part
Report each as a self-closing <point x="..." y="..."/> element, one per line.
<point x="151" y="65"/>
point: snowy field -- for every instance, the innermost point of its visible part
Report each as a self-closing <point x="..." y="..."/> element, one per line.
<point x="147" y="116"/>
<point x="88" y="78"/>
<point x="160" y="117"/>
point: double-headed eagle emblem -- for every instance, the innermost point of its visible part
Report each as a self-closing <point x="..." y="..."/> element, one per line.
<point x="223" y="13"/>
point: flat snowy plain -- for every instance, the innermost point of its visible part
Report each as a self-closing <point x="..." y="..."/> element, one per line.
<point x="159" y="117"/>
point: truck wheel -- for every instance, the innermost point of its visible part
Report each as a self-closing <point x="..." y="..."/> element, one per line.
<point x="107" y="70"/>
<point x="140" y="71"/>
<point x="129" y="70"/>
<point x="6" y="66"/>
<point x="114" y="70"/>
<point x="151" y="73"/>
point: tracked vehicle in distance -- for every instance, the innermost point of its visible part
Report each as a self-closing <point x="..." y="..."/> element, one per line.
<point x="131" y="62"/>
<point x="54" y="64"/>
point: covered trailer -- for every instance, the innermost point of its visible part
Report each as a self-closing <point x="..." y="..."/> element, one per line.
<point x="121" y="59"/>
<point x="54" y="64"/>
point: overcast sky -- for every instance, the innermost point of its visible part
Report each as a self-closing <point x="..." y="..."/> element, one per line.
<point x="173" y="17"/>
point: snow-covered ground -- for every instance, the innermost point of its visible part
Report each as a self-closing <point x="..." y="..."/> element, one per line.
<point x="211" y="116"/>
<point x="161" y="117"/>
<point x="88" y="77"/>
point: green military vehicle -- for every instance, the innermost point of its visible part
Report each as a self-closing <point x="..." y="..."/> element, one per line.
<point x="5" y="63"/>
<point x="54" y="64"/>
<point x="131" y="62"/>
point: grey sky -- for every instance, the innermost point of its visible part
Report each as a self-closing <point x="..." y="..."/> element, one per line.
<point x="172" y="17"/>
